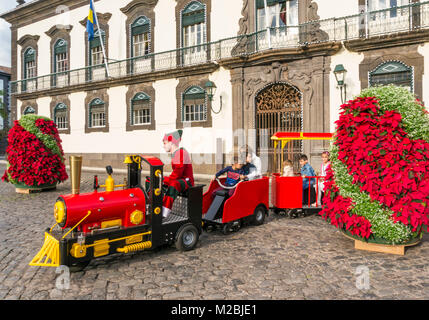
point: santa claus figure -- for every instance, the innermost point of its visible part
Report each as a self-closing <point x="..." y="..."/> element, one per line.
<point x="182" y="176"/>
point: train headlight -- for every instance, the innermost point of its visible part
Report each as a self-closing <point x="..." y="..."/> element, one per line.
<point x="136" y="217"/>
<point x="59" y="212"/>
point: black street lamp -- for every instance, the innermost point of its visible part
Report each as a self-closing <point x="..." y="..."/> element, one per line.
<point x="340" y="74"/>
<point x="211" y="90"/>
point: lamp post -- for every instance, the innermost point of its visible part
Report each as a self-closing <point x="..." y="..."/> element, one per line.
<point x="211" y="90"/>
<point x="340" y="73"/>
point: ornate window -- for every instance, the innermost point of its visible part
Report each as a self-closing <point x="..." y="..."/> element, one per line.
<point x="140" y="37"/>
<point x="375" y="5"/>
<point x="97" y="114"/>
<point x="194" y="107"/>
<point x="140" y="109"/>
<point x="60" y="116"/>
<point x="61" y="61"/>
<point x="194" y="32"/>
<point x="29" y="110"/>
<point x="392" y="72"/>
<point x="96" y="51"/>
<point x="30" y="67"/>
<point x="282" y="19"/>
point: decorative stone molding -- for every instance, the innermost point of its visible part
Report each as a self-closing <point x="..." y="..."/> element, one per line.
<point x="90" y="96"/>
<point x="408" y="55"/>
<point x="148" y="89"/>
<point x="133" y="10"/>
<point x="29" y="103"/>
<point x="184" y="84"/>
<point x="136" y="4"/>
<point x="55" y="34"/>
<point x="54" y="102"/>
<point x="103" y="19"/>
<point x="26" y="42"/>
<point x="180" y="5"/>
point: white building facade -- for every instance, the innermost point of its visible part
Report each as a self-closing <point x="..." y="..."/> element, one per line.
<point x="163" y="55"/>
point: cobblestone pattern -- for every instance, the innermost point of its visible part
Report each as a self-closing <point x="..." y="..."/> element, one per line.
<point x="284" y="258"/>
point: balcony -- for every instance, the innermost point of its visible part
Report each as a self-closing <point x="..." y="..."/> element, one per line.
<point x="363" y="26"/>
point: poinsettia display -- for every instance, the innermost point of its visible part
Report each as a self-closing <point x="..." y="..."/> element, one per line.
<point x="34" y="153"/>
<point x="377" y="187"/>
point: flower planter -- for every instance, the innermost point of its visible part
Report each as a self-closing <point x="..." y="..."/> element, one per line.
<point x="35" y="157"/>
<point x="380" y="245"/>
<point x="26" y="189"/>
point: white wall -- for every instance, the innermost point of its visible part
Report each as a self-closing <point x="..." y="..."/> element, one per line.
<point x="350" y="61"/>
<point x="424" y="51"/>
<point x="336" y="8"/>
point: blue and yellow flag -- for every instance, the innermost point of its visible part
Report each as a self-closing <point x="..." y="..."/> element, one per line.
<point x="92" y="20"/>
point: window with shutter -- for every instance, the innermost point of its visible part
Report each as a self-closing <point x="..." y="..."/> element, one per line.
<point x="140" y="109"/>
<point x="194" y="107"/>
<point x="393" y="72"/>
<point x="97" y="114"/>
<point x="60" y="116"/>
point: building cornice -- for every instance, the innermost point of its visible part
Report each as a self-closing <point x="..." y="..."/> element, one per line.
<point x="282" y="55"/>
<point x="138" y="3"/>
<point x="39" y="10"/>
<point x="388" y="41"/>
<point x="129" y="80"/>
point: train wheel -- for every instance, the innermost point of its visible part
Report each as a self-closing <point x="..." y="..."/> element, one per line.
<point x="187" y="237"/>
<point x="77" y="267"/>
<point x="259" y="215"/>
<point x="227" y="228"/>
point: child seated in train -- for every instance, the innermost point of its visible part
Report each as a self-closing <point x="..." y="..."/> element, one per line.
<point x="321" y="185"/>
<point x="307" y="171"/>
<point x="234" y="174"/>
<point x="288" y="168"/>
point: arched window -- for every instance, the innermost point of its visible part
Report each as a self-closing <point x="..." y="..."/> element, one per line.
<point x="194" y="107"/>
<point x="61" y="60"/>
<point x="392" y="72"/>
<point x="95" y="48"/>
<point x="29" y="110"/>
<point x="60" y="116"/>
<point x="97" y="114"/>
<point x="194" y="25"/>
<point x="140" y="37"/>
<point x="140" y="109"/>
<point x="30" y="66"/>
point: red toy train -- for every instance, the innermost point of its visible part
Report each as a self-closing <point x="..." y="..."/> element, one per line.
<point x="98" y="224"/>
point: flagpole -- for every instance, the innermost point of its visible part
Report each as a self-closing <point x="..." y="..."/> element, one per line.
<point x="266" y="22"/>
<point x="101" y="41"/>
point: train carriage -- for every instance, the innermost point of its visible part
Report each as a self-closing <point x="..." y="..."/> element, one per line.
<point x="287" y="192"/>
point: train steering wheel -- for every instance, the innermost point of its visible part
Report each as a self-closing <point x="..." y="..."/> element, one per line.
<point x="228" y="188"/>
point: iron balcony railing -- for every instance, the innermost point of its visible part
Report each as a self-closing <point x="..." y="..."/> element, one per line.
<point x="360" y="26"/>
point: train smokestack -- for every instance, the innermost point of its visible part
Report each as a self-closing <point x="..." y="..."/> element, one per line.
<point x="75" y="173"/>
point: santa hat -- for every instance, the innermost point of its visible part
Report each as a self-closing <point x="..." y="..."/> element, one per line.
<point x="174" y="136"/>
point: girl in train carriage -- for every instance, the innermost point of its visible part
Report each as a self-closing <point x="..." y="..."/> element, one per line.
<point x="182" y="176"/>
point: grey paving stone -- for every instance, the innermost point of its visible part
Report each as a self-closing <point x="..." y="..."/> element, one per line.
<point x="282" y="259"/>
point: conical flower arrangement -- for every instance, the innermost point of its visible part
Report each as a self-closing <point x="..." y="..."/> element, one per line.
<point x="377" y="188"/>
<point x="34" y="153"/>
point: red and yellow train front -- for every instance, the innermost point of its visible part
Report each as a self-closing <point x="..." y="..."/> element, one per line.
<point x="101" y="210"/>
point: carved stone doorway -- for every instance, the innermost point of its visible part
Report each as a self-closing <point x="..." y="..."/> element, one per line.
<point x="278" y="108"/>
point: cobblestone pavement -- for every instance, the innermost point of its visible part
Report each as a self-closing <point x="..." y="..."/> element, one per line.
<point x="303" y="258"/>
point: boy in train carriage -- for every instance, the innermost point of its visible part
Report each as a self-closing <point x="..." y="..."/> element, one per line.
<point x="307" y="171"/>
<point x="234" y="174"/>
<point x="182" y="176"/>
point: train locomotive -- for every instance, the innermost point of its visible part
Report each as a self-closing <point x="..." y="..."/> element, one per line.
<point x="102" y="223"/>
